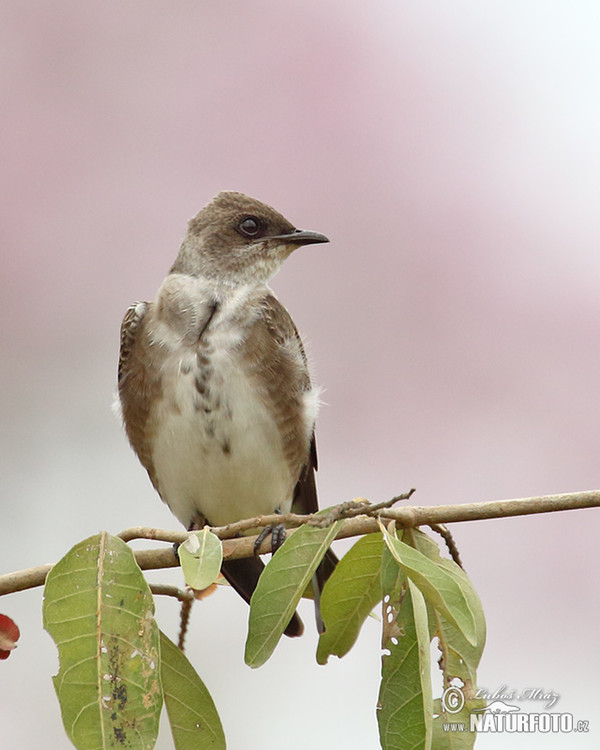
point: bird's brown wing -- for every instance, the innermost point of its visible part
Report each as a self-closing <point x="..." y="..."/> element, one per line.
<point x="132" y="320"/>
<point x="138" y="384"/>
<point x="305" y="501"/>
<point x="305" y="492"/>
<point x="276" y="351"/>
<point x="284" y="331"/>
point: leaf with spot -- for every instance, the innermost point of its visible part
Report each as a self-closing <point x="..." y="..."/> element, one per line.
<point x="460" y="658"/>
<point x="281" y="586"/>
<point x="195" y="723"/>
<point x="349" y="596"/>
<point x="404" y="711"/>
<point x="100" y="613"/>
<point x="444" y="590"/>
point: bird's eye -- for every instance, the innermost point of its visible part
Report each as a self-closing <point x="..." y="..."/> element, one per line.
<point x="250" y="226"/>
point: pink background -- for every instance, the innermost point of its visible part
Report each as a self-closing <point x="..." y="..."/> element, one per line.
<point x="451" y="153"/>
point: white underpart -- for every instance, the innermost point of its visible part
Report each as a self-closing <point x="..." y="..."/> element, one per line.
<point x="195" y="474"/>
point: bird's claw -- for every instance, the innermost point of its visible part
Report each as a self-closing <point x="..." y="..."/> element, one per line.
<point x="276" y="532"/>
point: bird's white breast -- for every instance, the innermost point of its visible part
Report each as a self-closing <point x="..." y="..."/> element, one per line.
<point x="217" y="449"/>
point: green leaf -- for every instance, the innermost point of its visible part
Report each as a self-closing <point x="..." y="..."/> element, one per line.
<point x="281" y="586"/>
<point x="451" y="731"/>
<point x="201" y="556"/>
<point x="194" y="720"/>
<point x="459" y="657"/>
<point x="441" y="588"/>
<point x="99" y="610"/>
<point x="350" y="594"/>
<point x="405" y="703"/>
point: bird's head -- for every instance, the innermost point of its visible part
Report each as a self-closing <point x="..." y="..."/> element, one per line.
<point x="239" y="240"/>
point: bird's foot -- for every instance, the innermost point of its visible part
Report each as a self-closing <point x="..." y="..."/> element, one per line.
<point x="276" y="532"/>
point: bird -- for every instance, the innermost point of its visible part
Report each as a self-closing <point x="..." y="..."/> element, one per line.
<point x="214" y="387"/>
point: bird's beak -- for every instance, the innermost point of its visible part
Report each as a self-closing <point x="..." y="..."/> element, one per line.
<point x="299" y="237"/>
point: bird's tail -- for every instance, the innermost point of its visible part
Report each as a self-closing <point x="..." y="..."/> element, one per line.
<point x="322" y="573"/>
<point x="243" y="576"/>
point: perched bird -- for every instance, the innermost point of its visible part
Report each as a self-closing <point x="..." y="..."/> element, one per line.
<point x="213" y="381"/>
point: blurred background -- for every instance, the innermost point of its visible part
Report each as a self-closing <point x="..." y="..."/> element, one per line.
<point x="451" y="153"/>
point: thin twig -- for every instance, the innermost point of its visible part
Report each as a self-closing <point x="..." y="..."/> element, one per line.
<point x="343" y="510"/>
<point x="184" y="621"/>
<point x="444" y="532"/>
<point x="374" y="509"/>
<point x="167" y="589"/>
<point x="350" y="509"/>
<point x="186" y="597"/>
<point x="358" y="507"/>
<point x="149" y="532"/>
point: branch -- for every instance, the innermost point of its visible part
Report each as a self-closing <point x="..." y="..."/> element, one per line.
<point x="363" y="524"/>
